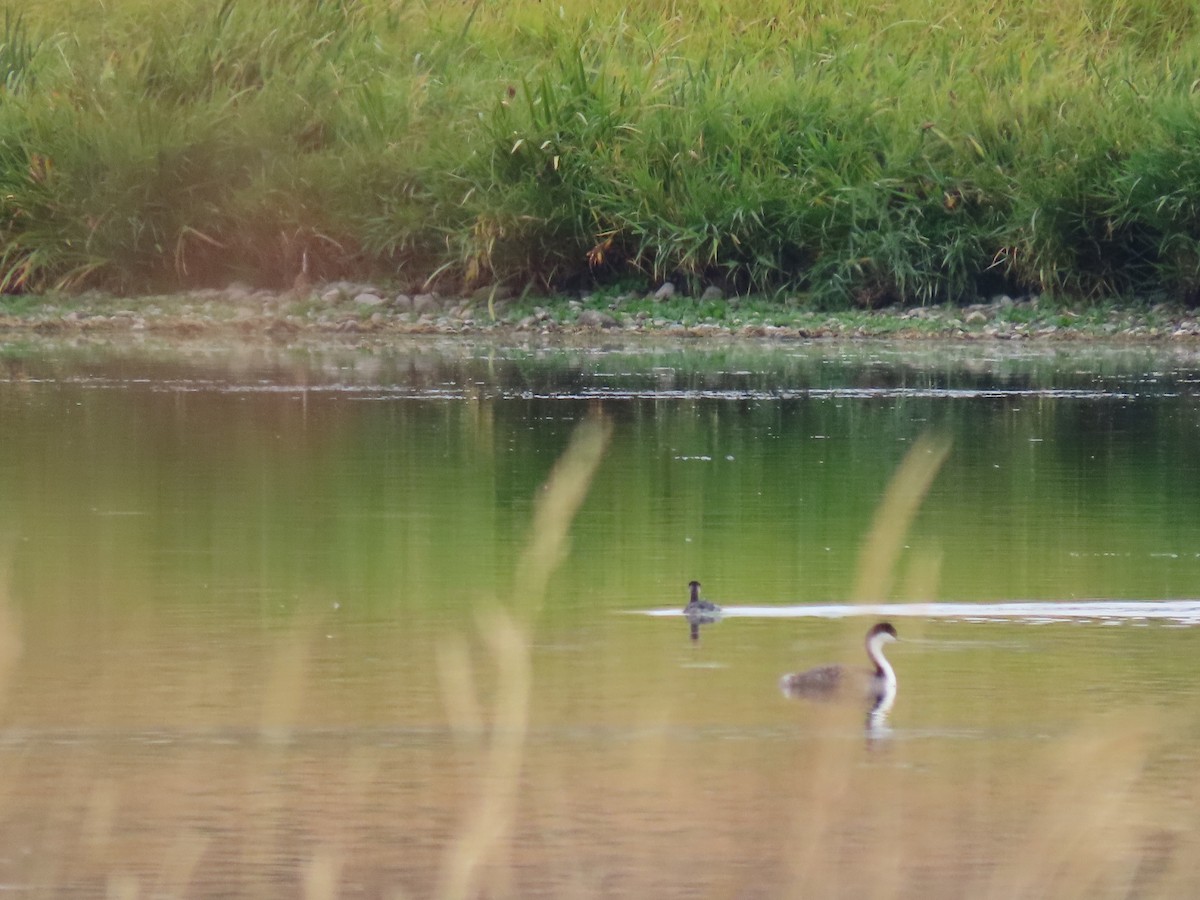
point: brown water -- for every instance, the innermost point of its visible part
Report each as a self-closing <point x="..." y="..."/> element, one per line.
<point x="259" y="633"/>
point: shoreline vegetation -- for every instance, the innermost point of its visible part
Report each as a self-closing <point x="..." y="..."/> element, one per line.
<point x="828" y="158"/>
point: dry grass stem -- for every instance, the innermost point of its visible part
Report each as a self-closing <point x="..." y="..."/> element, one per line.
<point x="480" y="852"/>
<point x="10" y="634"/>
<point x="284" y="690"/>
<point x="905" y="492"/>
<point x="455" y="675"/>
<point x="556" y="506"/>
<point x="1083" y="833"/>
<point x="483" y="837"/>
<point x="321" y="876"/>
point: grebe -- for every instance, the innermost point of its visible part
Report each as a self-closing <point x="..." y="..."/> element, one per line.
<point x="700" y="609"/>
<point x="700" y="612"/>
<point x="877" y="686"/>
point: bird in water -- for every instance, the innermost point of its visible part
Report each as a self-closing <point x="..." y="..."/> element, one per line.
<point x="699" y="612"/>
<point x="699" y="608"/>
<point x="877" y="686"/>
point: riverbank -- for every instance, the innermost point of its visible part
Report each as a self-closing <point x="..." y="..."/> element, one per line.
<point x="346" y="308"/>
<point x="863" y="155"/>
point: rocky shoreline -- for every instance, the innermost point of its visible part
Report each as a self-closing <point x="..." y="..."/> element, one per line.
<point x="346" y="308"/>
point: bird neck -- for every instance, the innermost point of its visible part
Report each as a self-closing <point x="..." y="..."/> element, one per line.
<point x="883" y="668"/>
<point x="695" y="593"/>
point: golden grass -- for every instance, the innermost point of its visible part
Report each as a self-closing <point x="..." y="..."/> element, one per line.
<point x="555" y="508"/>
<point x="884" y="542"/>
<point x="481" y="853"/>
<point x="10" y="634"/>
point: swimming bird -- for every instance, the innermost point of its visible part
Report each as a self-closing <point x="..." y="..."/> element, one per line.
<point x="877" y="686"/>
<point x="700" y="612"/>
<point x="700" y="609"/>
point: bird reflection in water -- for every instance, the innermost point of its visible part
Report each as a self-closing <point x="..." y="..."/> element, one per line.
<point x="876" y="727"/>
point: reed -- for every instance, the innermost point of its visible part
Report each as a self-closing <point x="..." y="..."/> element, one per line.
<point x="481" y="854"/>
<point x="897" y="153"/>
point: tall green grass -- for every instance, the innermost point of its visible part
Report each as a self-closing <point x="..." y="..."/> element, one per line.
<point x="854" y="152"/>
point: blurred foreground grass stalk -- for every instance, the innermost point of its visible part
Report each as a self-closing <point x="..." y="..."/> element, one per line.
<point x="10" y="636"/>
<point x="900" y="503"/>
<point x="865" y="153"/>
<point x="489" y="825"/>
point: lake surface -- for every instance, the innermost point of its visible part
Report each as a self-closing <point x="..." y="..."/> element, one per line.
<point x="264" y="629"/>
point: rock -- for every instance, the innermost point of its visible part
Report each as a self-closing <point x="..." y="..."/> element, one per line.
<point x="349" y="288"/>
<point x="591" y="318"/>
<point x="424" y="303"/>
<point x="666" y="292"/>
<point x="712" y="292"/>
<point x="975" y="317"/>
<point x="368" y="299"/>
<point x="403" y="303"/>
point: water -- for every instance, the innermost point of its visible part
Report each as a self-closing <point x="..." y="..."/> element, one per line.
<point x="258" y="631"/>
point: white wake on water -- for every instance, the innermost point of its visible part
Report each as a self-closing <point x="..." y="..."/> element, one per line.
<point x="1184" y="612"/>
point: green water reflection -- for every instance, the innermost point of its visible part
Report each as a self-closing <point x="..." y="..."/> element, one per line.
<point x="409" y="488"/>
<point x="199" y="542"/>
